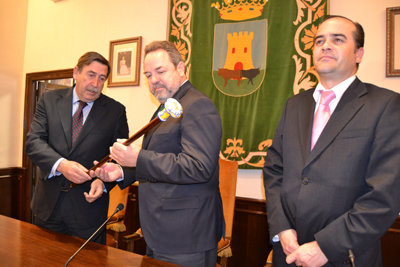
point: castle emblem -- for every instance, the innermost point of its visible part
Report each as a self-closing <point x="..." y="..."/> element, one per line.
<point x="239" y="59"/>
<point x="240" y="48"/>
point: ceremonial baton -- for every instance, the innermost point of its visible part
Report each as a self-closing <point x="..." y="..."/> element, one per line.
<point x="172" y="108"/>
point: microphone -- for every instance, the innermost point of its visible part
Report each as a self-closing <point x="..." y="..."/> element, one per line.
<point x="119" y="208"/>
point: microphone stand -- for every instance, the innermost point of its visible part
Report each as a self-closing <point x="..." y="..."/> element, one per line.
<point x="119" y="208"/>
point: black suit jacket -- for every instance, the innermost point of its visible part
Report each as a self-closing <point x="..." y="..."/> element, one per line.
<point x="345" y="193"/>
<point x="179" y="200"/>
<point x="50" y="138"/>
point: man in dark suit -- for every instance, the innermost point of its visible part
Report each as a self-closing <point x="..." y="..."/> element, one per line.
<point x="330" y="199"/>
<point x="66" y="199"/>
<point x="180" y="205"/>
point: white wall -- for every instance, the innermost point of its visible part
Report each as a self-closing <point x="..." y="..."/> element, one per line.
<point x="57" y="34"/>
<point x="12" y="36"/>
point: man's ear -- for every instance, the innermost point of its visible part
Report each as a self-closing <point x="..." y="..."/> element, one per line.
<point x="181" y="68"/>
<point x="75" y="72"/>
<point x="359" y="54"/>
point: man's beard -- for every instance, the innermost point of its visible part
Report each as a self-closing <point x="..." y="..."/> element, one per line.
<point x="161" y="98"/>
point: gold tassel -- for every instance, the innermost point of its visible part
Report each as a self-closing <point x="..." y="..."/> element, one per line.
<point x="117" y="227"/>
<point x="227" y="252"/>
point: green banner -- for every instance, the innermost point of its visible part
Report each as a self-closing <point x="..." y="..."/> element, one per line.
<point x="249" y="57"/>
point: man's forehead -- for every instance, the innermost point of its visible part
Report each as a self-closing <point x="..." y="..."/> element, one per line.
<point x="340" y="25"/>
<point x="95" y="67"/>
<point x="148" y="67"/>
<point x="157" y="63"/>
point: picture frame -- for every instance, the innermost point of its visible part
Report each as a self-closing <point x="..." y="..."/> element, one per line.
<point x="125" y="57"/>
<point x="393" y="42"/>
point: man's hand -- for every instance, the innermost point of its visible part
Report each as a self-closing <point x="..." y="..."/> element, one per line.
<point x="308" y="255"/>
<point x="288" y="239"/>
<point x="108" y="172"/>
<point x="125" y="155"/>
<point x="96" y="191"/>
<point x="73" y="171"/>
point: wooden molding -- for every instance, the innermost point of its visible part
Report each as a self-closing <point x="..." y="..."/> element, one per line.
<point x="11" y="201"/>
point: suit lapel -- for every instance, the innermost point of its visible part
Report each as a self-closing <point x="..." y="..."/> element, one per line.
<point x="64" y="110"/>
<point x="305" y="121"/>
<point x="348" y="106"/>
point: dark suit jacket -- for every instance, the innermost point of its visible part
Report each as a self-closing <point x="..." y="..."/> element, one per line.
<point x="345" y="193"/>
<point x="179" y="200"/>
<point x="50" y="138"/>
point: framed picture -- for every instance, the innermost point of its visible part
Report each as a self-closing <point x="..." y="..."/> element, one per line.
<point x="125" y="62"/>
<point x="393" y="42"/>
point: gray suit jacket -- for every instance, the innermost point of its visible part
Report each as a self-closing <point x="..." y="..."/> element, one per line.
<point x="344" y="194"/>
<point x="50" y="138"/>
<point x="179" y="200"/>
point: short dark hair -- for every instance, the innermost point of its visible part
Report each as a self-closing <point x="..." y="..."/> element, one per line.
<point x="167" y="46"/>
<point x="358" y="35"/>
<point x="89" y="57"/>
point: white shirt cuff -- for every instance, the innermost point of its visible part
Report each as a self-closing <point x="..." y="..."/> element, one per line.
<point x="54" y="171"/>
<point x="122" y="174"/>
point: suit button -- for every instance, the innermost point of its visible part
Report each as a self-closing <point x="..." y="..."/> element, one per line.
<point x="306" y="181"/>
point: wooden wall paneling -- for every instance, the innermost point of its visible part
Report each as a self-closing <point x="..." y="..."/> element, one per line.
<point x="10" y="186"/>
<point x="390" y="244"/>
<point x="250" y="238"/>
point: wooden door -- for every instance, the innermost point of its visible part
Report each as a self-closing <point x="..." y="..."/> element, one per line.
<point x="35" y="84"/>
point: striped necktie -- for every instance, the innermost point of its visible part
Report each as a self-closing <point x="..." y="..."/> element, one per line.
<point x="77" y="121"/>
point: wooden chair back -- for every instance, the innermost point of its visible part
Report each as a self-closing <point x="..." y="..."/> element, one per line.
<point x="117" y="196"/>
<point x="227" y="184"/>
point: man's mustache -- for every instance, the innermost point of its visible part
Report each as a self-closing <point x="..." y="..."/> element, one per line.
<point x="159" y="85"/>
<point x="92" y="89"/>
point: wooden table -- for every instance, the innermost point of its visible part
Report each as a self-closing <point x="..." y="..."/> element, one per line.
<point x="25" y="244"/>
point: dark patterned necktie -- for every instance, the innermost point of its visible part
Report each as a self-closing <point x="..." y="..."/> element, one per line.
<point x="77" y="121"/>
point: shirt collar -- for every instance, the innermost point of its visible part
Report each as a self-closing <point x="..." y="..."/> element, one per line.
<point x="184" y="83"/>
<point x="75" y="97"/>
<point x="339" y="89"/>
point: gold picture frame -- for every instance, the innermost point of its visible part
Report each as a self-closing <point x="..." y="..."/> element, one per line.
<point x="393" y="42"/>
<point x="125" y="62"/>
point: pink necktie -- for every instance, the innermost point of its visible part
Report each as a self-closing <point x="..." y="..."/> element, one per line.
<point x="322" y="115"/>
<point x="77" y="121"/>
